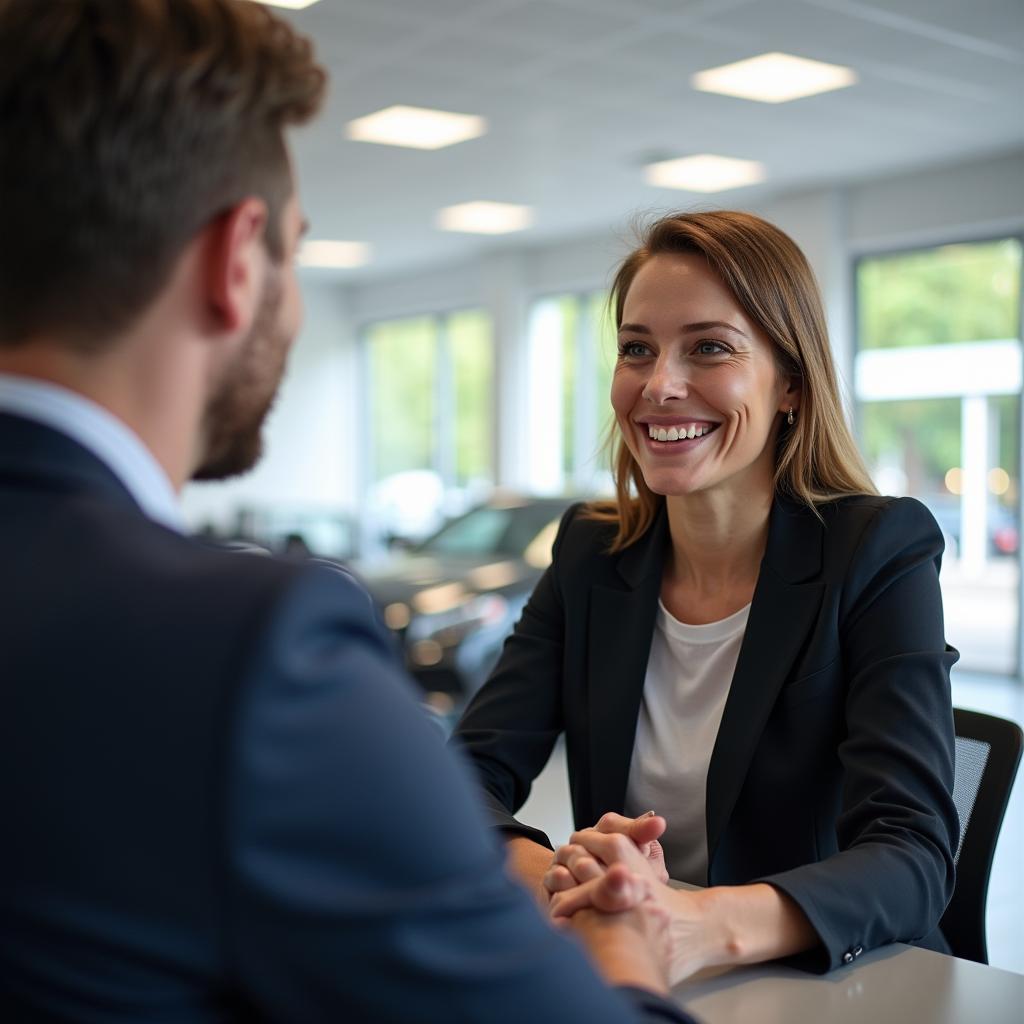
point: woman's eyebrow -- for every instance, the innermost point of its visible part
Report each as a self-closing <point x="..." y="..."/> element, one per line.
<point x="707" y="325"/>
<point x="701" y="325"/>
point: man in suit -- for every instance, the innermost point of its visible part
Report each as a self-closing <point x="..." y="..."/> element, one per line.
<point x="210" y="766"/>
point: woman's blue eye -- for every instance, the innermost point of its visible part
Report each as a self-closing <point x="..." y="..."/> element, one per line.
<point x="711" y="348"/>
<point x="632" y="348"/>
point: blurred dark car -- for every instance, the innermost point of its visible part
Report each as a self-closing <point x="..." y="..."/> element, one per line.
<point x="453" y="598"/>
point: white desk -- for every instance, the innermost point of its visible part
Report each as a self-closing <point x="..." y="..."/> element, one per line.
<point x="896" y="984"/>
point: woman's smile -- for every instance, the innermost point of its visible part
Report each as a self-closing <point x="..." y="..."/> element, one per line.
<point x="675" y="436"/>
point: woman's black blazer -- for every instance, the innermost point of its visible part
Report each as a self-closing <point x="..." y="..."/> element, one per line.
<point x="832" y="774"/>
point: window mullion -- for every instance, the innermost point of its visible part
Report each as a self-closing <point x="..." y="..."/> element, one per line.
<point x="444" y="455"/>
<point x="585" y="412"/>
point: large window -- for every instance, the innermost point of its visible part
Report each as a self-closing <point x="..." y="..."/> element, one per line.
<point x="430" y="405"/>
<point x="938" y="381"/>
<point x="571" y="359"/>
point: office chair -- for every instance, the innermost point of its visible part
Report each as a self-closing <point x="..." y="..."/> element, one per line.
<point x="988" y="751"/>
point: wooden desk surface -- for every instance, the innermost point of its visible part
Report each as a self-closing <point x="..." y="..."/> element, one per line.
<point x="896" y="984"/>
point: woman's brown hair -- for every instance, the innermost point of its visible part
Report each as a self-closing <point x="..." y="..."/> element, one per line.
<point x="816" y="458"/>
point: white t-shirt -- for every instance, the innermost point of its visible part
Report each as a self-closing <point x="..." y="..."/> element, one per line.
<point x="689" y="673"/>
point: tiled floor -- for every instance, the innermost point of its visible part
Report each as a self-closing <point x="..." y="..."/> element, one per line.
<point x="548" y="808"/>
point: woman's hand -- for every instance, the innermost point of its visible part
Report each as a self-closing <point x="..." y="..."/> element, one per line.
<point x="614" y="875"/>
<point x="739" y="924"/>
<point x="573" y="864"/>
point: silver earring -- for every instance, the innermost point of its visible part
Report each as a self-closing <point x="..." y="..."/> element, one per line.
<point x="790" y="418"/>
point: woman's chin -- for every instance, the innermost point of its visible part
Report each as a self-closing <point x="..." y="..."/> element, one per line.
<point x="676" y="484"/>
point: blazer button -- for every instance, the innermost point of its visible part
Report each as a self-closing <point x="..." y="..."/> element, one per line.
<point x="847" y="957"/>
<point x="858" y="951"/>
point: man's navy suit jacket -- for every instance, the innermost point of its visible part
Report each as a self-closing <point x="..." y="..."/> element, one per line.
<point x="219" y="800"/>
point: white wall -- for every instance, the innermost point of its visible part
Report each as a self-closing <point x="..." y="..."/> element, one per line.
<point x="315" y="435"/>
<point x="980" y="199"/>
<point x="310" y="458"/>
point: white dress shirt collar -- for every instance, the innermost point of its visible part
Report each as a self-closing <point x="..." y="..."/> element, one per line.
<point x="101" y="433"/>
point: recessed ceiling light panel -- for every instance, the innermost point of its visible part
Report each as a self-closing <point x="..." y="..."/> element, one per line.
<point x="485" y="218"/>
<point x="774" y="78"/>
<point x="416" y="127"/>
<point x="334" y="255"/>
<point x="291" y="5"/>
<point x="704" y="173"/>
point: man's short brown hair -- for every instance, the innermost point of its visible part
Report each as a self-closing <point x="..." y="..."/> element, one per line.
<point x="126" y="126"/>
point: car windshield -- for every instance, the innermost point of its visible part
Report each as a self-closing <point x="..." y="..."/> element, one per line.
<point x="491" y="530"/>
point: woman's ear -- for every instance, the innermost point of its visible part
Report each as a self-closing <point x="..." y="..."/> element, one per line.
<point x="236" y="264"/>
<point x="791" y="395"/>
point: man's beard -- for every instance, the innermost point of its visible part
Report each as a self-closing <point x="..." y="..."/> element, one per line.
<point x="233" y="422"/>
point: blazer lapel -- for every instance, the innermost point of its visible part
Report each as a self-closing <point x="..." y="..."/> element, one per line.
<point x="620" y="627"/>
<point x="782" y="612"/>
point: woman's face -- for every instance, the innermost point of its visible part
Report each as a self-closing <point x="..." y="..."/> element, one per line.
<point x="696" y="391"/>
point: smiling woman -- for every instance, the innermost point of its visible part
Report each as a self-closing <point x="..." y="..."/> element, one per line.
<point x="748" y="639"/>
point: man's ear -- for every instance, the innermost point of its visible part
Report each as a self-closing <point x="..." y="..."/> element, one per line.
<point x="235" y="264"/>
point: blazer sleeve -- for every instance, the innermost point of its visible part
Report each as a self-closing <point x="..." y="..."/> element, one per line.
<point x="510" y="727"/>
<point x="897" y="826"/>
<point x="363" y="881"/>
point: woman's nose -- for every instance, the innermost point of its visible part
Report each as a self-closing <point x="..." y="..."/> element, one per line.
<point x="666" y="383"/>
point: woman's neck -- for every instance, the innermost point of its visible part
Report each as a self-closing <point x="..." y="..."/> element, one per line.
<point x="718" y="541"/>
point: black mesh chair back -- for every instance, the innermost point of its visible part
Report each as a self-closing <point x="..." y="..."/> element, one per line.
<point x="988" y="751"/>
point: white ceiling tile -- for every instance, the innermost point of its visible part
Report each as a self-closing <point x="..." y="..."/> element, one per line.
<point x="797" y="27"/>
<point x="542" y="23"/>
<point x="400" y="12"/>
<point x="997" y="22"/>
<point x="638" y="7"/>
<point x="471" y="54"/>
<point x="674" y="54"/>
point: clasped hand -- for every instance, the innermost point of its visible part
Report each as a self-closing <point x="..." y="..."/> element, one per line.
<point x="580" y="874"/>
<point x="617" y="866"/>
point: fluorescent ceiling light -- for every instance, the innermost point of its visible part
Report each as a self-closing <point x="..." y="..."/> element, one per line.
<point x="704" y="173"/>
<point x="416" y="127"/>
<point x="774" y="78"/>
<point x="335" y="255"/>
<point x="485" y="218"/>
<point x="292" y="5"/>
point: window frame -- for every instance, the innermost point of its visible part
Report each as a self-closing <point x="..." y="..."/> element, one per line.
<point x="922" y="243"/>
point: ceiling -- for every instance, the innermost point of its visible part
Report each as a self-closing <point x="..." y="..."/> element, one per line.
<point x="580" y="94"/>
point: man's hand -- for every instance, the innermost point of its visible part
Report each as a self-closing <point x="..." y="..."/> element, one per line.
<point x="574" y="865"/>
<point x="627" y="935"/>
<point x="589" y="858"/>
<point x="528" y="863"/>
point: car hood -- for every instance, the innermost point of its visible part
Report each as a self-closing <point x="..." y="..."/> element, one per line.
<point x="404" y="577"/>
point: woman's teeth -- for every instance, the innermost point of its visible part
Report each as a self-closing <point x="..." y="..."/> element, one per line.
<point x="677" y="433"/>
